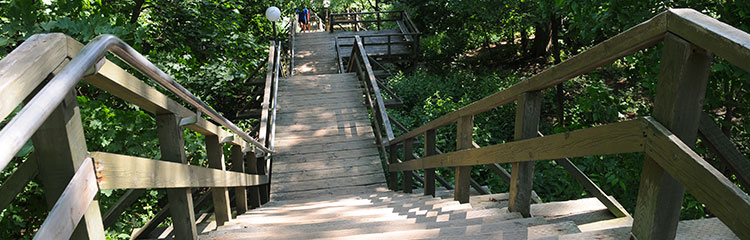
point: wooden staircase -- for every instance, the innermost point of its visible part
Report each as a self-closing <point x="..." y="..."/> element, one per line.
<point x="328" y="181"/>
<point x="383" y="214"/>
<point x="325" y="143"/>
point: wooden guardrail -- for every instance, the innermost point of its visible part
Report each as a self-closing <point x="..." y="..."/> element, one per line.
<point x="72" y="176"/>
<point x="378" y="18"/>
<point x="670" y="165"/>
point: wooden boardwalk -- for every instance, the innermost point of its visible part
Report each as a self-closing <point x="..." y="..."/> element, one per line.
<point x="324" y="138"/>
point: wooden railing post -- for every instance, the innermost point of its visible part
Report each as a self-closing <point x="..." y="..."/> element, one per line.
<point x="393" y="176"/>
<point x="222" y="210"/>
<point x="60" y="149"/>
<point x="254" y="191"/>
<point x="678" y="103"/>
<point x="465" y="130"/>
<point x="238" y="165"/>
<point x="172" y="146"/>
<point x="522" y="174"/>
<point x="407" y="180"/>
<point x="430" y="148"/>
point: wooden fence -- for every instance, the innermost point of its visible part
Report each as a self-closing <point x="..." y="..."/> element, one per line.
<point x="72" y="176"/>
<point x="670" y="165"/>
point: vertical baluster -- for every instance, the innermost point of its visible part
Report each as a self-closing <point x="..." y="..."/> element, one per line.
<point x="393" y="176"/>
<point x="238" y="165"/>
<point x="407" y="180"/>
<point x="465" y="130"/>
<point x="172" y="147"/>
<point x="253" y="192"/>
<point x="60" y="149"/>
<point x="678" y="104"/>
<point x="430" y="149"/>
<point x="522" y="176"/>
<point x="220" y="194"/>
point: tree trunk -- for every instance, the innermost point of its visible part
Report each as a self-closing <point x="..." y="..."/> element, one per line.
<point x="560" y="94"/>
<point x="542" y="37"/>
<point x="136" y="10"/>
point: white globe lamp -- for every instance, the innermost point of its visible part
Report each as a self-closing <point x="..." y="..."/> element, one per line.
<point x="273" y="14"/>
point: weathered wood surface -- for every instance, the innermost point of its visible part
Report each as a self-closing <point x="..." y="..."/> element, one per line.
<point x="722" y="146"/>
<point x="27" y="66"/>
<point x="622" y="137"/>
<point x="240" y="193"/>
<point x="172" y="147"/>
<point x="708" y="185"/>
<point x="265" y="105"/>
<point x="215" y="155"/>
<point x="713" y="35"/>
<point x="528" y="111"/>
<point x="72" y="205"/>
<point x="406" y="180"/>
<point x="60" y="149"/>
<point x="122" y="171"/>
<point x="636" y="38"/>
<point x="430" y="148"/>
<point x="683" y="75"/>
<point x="122" y="84"/>
<point x="464" y="134"/>
<point x="325" y="141"/>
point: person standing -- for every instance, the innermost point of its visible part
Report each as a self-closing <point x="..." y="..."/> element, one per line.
<point x="301" y="19"/>
<point x="307" y="18"/>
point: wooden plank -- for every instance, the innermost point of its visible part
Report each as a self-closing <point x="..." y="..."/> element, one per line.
<point x="328" y="183"/>
<point x="465" y="132"/>
<point x="73" y="203"/>
<point x="60" y="149"/>
<point x="253" y="192"/>
<point x="725" y="200"/>
<point x="215" y="155"/>
<point x="392" y="178"/>
<point x="172" y="147"/>
<point x="325" y="125"/>
<point x="332" y="147"/>
<point x="678" y="104"/>
<point x="430" y="148"/>
<point x="634" y="39"/>
<point x="122" y="84"/>
<point x="27" y="66"/>
<point x="722" y="145"/>
<point x="240" y="193"/>
<point x="522" y="175"/>
<point x="122" y="171"/>
<point x="17" y="182"/>
<point x="263" y="132"/>
<point x="326" y="173"/>
<point x="622" y="137"/>
<point x="124" y="202"/>
<point x="713" y="35"/>
<point x="408" y="151"/>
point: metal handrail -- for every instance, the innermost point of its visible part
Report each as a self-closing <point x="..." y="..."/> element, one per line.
<point x="277" y="68"/>
<point x="20" y="129"/>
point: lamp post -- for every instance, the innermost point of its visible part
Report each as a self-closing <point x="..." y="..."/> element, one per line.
<point x="273" y="14"/>
<point x="326" y="4"/>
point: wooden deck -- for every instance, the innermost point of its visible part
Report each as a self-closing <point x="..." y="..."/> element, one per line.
<point x="324" y="139"/>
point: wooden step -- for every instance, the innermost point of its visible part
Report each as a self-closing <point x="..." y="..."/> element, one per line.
<point x="350" y="155"/>
<point x="319" y="174"/>
<point x="332" y="192"/>
<point x="330" y="131"/>
<point x="320" y="140"/>
<point x="301" y="115"/>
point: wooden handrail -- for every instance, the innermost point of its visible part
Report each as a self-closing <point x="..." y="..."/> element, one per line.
<point x="641" y="36"/>
<point x="52" y="59"/>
